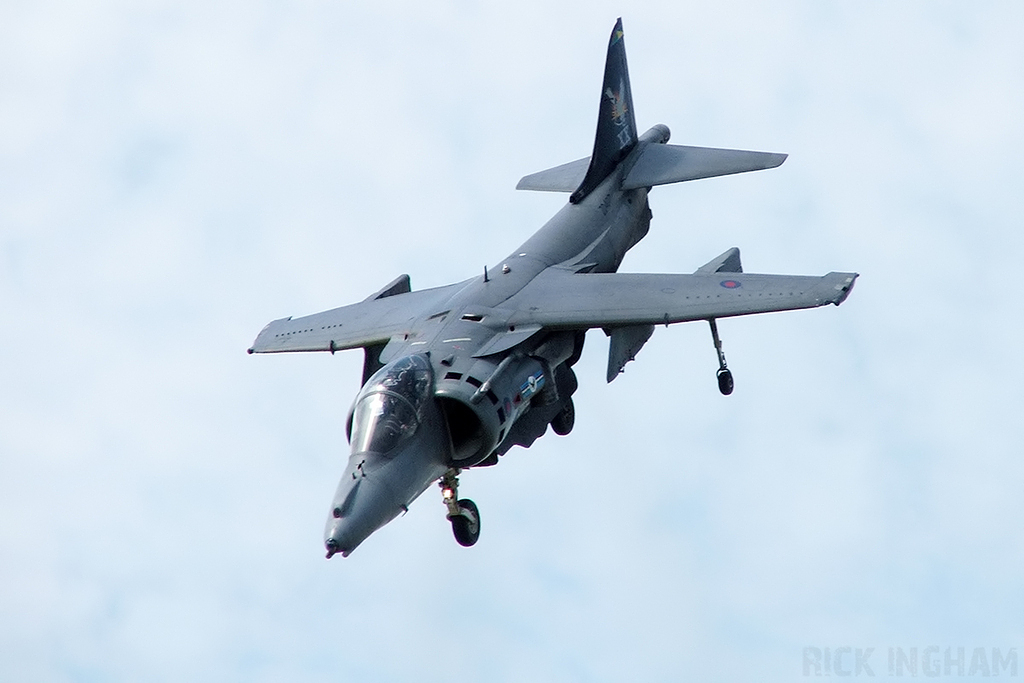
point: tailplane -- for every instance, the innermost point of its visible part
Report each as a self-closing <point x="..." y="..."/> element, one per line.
<point x="654" y="161"/>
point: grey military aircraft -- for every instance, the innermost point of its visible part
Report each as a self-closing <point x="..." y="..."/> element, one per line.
<point x="455" y="376"/>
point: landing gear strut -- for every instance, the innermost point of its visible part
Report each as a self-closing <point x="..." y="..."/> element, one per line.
<point x="463" y="514"/>
<point x="725" y="383"/>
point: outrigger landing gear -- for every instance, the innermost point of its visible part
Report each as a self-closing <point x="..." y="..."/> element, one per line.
<point x="725" y="383"/>
<point x="463" y="514"/>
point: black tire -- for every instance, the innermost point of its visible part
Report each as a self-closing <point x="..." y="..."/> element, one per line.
<point x="725" y="383"/>
<point x="465" y="528"/>
<point x="566" y="418"/>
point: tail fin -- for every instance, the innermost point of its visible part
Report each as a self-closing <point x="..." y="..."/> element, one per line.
<point x="616" y="126"/>
<point x="657" y="163"/>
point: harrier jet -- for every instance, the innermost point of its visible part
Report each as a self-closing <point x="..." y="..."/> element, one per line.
<point x="455" y="376"/>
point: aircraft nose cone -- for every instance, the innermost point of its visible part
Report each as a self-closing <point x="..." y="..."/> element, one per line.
<point x="377" y="487"/>
<point x="360" y="507"/>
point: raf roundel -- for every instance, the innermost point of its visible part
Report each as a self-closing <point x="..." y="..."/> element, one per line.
<point x="730" y="284"/>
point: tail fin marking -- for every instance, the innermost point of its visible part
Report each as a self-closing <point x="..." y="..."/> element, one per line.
<point x="616" y="125"/>
<point x="656" y="163"/>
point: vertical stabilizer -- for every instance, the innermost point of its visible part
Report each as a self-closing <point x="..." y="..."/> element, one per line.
<point x="616" y="127"/>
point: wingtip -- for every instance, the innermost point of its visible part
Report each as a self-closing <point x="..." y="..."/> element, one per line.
<point x="845" y="287"/>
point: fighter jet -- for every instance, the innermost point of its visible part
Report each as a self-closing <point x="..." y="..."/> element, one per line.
<point x="455" y="376"/>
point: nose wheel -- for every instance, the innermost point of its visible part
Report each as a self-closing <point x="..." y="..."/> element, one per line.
<point x="466" y="525"/>
<point x="725" y="381"/>
<point x="463" y="514"/>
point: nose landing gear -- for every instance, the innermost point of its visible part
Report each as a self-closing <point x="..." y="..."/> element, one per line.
<point x="463" y="514"/>
<point x="725" y="382"/>
<point x="466" y="526"/>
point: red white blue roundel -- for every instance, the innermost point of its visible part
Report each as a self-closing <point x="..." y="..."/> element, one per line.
<point x="730" y="284"/>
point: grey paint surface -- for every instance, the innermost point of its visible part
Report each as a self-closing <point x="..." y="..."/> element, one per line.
<point x="500" y="346"/>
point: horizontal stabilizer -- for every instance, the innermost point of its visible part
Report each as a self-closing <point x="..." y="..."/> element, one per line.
<point x="663" y="164"/>
<point x="564" y="178"/>
<point x="658" y="165"/>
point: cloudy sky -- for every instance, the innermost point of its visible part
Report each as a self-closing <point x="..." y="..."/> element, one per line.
<point x="173" y="175"/>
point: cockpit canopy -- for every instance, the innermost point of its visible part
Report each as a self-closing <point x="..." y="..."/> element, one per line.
<point x="390" y="405"/>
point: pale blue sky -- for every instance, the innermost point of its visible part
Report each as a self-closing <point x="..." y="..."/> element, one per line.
<point x="175" y="175"/>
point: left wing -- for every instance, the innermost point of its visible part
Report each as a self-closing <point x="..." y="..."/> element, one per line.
<point x="560" y="299"/>
<point x="374" y="321"/>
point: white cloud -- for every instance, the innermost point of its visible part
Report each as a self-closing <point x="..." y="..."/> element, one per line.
<point x="174" y="176"/>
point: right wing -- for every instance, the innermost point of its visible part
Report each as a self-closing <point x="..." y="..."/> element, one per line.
<point x="374" y="321"/>
<point x="560" y="299"/>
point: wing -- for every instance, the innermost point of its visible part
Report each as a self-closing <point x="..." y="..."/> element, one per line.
<point x="559" y="299"/>
<point x="374" y="321"/>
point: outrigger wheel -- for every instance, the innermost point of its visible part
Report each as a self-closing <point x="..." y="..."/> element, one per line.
<point x="463" y="514"/>
<point x="725" y="382"/>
